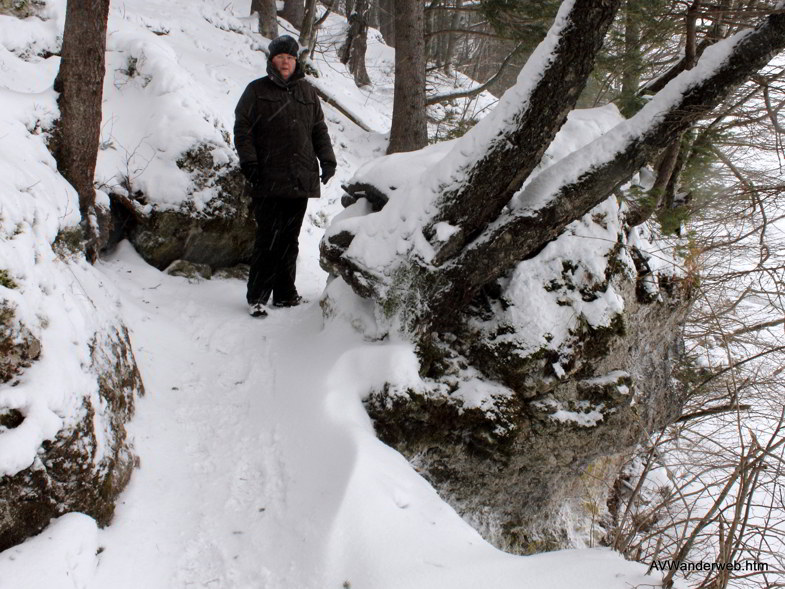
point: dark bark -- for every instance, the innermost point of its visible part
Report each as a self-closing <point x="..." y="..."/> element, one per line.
<point x="481" y="198"/>
<point x="265" y="11"/>
<point x="352" y="52"/>
<point x="293" y="11"/>
<point x="426" y="296"/>
<point x="387" y="21"/>
<point x="632" y="61"/>
<point x="80" y="83"/>
<point x="521" y="234"/>
<point x="409" y="130"/>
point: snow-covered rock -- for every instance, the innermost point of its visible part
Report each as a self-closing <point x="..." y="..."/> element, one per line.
<point x="521" y="428"/>
<point x="68" y="378"/>
<point x="555" y="371"/>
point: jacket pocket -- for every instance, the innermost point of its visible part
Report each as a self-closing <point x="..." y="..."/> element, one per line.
<point x="275" y="181"/>
<point x="306" y="170"/>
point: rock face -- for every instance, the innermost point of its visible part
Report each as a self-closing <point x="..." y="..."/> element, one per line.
<point x="21" y="8"/>
<point x="219" y="234"/>
<point x="18" y="346"/>
<point x="523" y="431"/>
<point x="83" y="469"/>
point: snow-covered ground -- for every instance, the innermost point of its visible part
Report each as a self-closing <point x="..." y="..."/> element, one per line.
<point x="259" y="466"/>
<point x="260" y="469"/>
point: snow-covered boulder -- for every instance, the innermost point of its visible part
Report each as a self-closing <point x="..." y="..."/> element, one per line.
<point x="219" y="233"/>
<point x="521" y="427"/>
<point x="82" y="467"/>
<point x="68" y="378"/>
<point x="528" y="402"/>
<point x="166" y="158"/>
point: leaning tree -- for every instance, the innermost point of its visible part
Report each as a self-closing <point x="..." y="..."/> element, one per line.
<point x="432" y="253"/>
<point x="422" y="287"/>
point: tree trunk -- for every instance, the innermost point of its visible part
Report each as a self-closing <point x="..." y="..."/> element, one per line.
<point x="674" y="156"/>
<point x="307" y="27"/>
<point x="293" y="11"/>
<point x="268" y="22"/>
<point x="632" y="59"/>
<point x="425" y="295"/>
<point x="352" y="52"/>
<point x="387" y="21"/>
<point x="500" y="173"/>
<point x="452" y="38"/>
<point x="409" y="130"/>
<point x="80" y="82"/>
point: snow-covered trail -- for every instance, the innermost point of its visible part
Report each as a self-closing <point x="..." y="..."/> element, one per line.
<point x="239" y="471"/>
<point x="259" y="467"/>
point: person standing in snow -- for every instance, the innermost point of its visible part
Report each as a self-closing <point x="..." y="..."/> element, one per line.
<point x="279" y="133"/>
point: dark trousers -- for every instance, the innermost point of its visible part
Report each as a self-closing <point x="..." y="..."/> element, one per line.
<point x="274" y="258"/>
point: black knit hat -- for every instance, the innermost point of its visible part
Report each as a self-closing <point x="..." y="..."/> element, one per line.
<point x="283" y="44"/>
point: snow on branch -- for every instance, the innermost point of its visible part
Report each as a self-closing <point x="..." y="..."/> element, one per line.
<point x="577" y="183"/>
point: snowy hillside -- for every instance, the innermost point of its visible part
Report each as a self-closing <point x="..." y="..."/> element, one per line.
<point x="259" y="467"/>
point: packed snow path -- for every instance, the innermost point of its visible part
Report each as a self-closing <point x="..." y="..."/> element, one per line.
<point x="259" y="468"/>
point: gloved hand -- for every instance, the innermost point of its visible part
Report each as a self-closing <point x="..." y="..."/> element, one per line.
<point x="250" y="171"/>
<point x="328" y="172"/>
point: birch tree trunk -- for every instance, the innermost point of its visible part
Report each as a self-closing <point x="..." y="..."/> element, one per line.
<point x="307" y="24"/>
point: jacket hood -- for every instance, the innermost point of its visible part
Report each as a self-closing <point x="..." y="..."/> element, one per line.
<point x="297" y="75"/>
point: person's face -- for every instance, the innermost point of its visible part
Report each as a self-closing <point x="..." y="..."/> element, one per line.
<point x="285" y="64"/>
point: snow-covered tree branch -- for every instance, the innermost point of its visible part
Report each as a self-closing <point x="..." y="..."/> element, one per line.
<point x="457" y="237"/>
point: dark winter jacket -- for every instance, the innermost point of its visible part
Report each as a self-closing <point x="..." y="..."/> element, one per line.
<point x="279" y="126"/>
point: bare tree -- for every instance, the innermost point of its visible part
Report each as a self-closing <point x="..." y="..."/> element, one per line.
<point x="266" y="13"/>
<point x="307" y="29"/>
<point x="724" y="456"/>
<point x="293" y="11"/>
<point x="352" y="52"/>
<point x="409" y="130"/>
<point x="80" y="83"/>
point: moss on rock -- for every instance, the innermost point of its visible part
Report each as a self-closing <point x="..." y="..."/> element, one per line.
<point x="219" y="234"/>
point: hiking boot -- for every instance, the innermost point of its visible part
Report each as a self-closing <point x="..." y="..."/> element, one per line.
<point x="293" y="302"/>
<point x="257" y="310"/>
